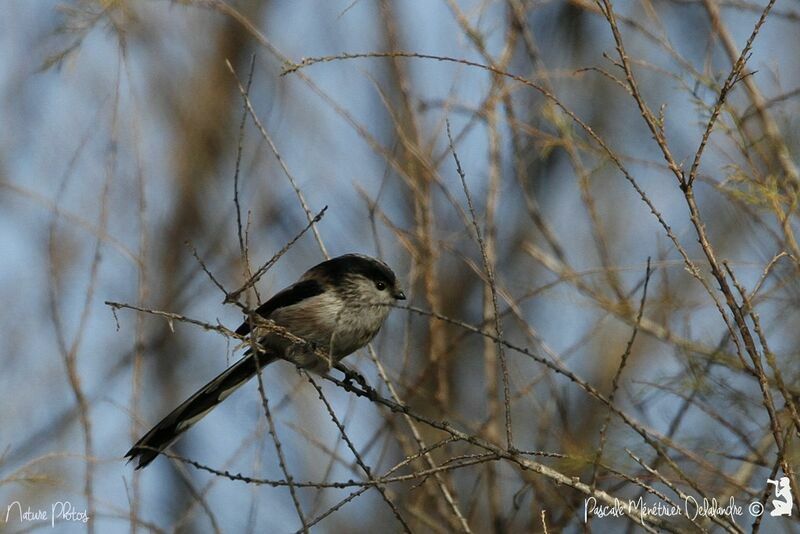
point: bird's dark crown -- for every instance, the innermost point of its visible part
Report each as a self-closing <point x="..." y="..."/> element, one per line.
<point x="349" y="264"/>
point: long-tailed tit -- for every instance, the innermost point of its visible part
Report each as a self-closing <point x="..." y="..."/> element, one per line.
<point x="336" y="307"/>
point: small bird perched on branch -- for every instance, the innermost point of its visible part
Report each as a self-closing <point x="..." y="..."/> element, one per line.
<point x="336" y="308"/>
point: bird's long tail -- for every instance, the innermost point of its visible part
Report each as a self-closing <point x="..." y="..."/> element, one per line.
<point x="194" y="408"/>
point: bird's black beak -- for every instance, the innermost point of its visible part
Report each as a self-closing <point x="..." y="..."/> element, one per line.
<point x="400" y="295"/>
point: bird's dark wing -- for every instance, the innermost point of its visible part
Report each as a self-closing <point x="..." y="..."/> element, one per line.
<point x="291" y="295"/>
<point x="203" y="401"/>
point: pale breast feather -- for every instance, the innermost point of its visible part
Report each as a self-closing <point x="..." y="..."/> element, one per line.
<point x="313" y="319"/>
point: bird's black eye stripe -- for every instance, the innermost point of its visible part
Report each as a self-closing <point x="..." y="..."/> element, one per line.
<point x="380" y="285"/>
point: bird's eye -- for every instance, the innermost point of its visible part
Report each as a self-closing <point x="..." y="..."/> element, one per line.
<point x="380" y="285"/>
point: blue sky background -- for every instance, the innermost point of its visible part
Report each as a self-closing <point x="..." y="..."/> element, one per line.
<point x="117" y="111"/>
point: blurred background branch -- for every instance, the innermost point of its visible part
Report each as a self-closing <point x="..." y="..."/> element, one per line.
<point x="528" y="382"/>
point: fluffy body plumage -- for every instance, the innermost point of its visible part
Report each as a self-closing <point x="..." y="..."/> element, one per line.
<point x="337" y="307"/>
